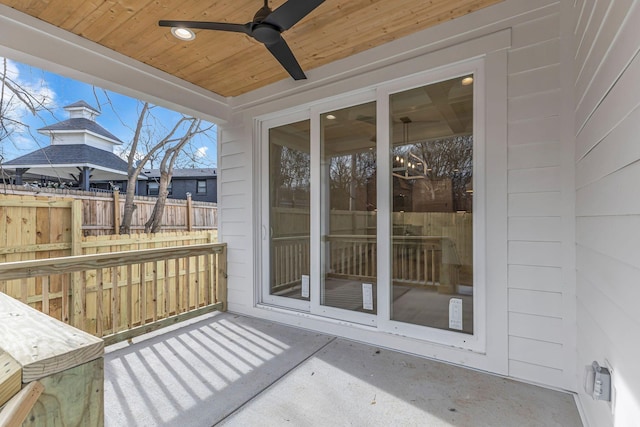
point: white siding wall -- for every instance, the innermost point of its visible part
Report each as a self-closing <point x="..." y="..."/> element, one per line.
<point x="235" y="207"/>
<point x="537" y="203"/>
<point x="541" y="316"/>
<point x="607" y="155"/>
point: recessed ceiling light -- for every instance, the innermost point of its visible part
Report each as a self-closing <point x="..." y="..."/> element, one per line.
<point x="467" y="81"/>
<point x="330" y="117"/>
<point x="183" y="33"/>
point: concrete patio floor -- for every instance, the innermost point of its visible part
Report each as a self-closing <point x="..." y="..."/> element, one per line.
<point x="231" y="370"/>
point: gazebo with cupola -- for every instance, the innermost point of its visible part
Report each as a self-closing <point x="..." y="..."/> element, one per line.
<point x="80" y="151"/>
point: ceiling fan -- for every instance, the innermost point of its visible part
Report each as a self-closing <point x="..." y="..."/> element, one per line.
<point x="267" y="27"/>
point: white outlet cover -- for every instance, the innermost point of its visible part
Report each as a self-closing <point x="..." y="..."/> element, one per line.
<point x="305" y="286"/>
<point x="367" y="296"/>
<point x="455" y="314"/>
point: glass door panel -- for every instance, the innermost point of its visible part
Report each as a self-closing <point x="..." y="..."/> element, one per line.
<point x="348" y="208"/>
<point x="289" y="186"/>
<point x="431" y="130"/>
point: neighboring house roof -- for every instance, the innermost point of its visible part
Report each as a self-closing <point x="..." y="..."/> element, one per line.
<point x="184" y="173"/>
<point x="70" y="155"/>
<point x="80" y="124"/>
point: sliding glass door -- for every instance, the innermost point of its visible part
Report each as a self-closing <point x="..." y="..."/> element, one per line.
<point x="432" y="205"/>
<point x="289" y="213"/>
<point x="369" y="209"/>
<point x="348" y="221"/>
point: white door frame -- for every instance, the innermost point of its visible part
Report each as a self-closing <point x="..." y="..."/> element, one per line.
<point x="265" y="226"/>
<point x="489" y="184"/>
<point x="477" y="341"/>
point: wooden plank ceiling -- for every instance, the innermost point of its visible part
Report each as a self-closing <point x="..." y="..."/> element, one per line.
<point x="231" y="64"/>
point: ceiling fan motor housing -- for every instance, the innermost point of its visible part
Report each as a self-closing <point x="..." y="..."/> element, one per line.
<point x="266" y="33"/>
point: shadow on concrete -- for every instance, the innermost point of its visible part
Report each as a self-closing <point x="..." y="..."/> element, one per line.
<point x="196" y="375"/>
<point x="235" y="370"/>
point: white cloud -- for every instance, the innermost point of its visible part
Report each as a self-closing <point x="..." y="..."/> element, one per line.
<point x="12" y="69"/>
<point x="201" y="152"/>
<point x="34" y="85"/>
<point x="16" y="146"/>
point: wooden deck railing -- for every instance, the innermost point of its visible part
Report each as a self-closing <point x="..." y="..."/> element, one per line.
<point x="123" y="294"/>
<point x="415" y="260"/>
<point x="352" y="255"/>
<point x="291" y="255"/>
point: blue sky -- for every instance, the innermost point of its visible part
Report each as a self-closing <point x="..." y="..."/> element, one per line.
<point x="119" y="118"/>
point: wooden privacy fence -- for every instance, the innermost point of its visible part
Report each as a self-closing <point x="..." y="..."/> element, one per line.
<point x="45" y="227"/>
<point x="99" y="215"/>
<point x="123" y="294"/>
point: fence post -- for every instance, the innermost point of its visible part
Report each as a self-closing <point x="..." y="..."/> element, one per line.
<point x="77" y="290"/>
<point x="221" y="278"/>
<point x="189" y="212"/>
<point x="116" y="211"/>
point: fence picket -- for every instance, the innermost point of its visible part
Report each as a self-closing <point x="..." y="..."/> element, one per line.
<point x="115" y="303"/>
<point x="99" y="303"/>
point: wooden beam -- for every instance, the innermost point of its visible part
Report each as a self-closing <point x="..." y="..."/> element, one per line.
<point x="189" y="213"/>
<point x="116" y="212"/>
<point x="24" y="203"/>
<point x="10" y="377"/>
<point x="164" y="237"/>
<point x="77" y="286"/>
<point x="35" y="248"/>
<point x="17" y="409"/>
<point x="221" y="279"/>
<point x="34" y="268"/>
<point x="41" y="344"/>
<point x="74" y="397"/>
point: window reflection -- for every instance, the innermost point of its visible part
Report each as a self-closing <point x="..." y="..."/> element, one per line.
<point x="432" y="201"/>
<point x="349" y="222"/>
<point x="289" y="186"/>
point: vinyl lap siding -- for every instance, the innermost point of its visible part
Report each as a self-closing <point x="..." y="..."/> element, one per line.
<point x="235" y="212"/>
<point x="535" y="200"/>
<point x="607" y="155"/>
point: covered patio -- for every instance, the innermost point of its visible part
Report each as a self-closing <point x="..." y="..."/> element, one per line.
<point x="232" y="370"/>
<point x="525" y="235"/>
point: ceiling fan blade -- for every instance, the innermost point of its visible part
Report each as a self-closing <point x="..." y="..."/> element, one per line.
<point x="285" y="57"/>
<point x="219" y="26"/>
<point x="287" y="15"/>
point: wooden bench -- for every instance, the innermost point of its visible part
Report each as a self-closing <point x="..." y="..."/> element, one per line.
<point x="59" y="368"/>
